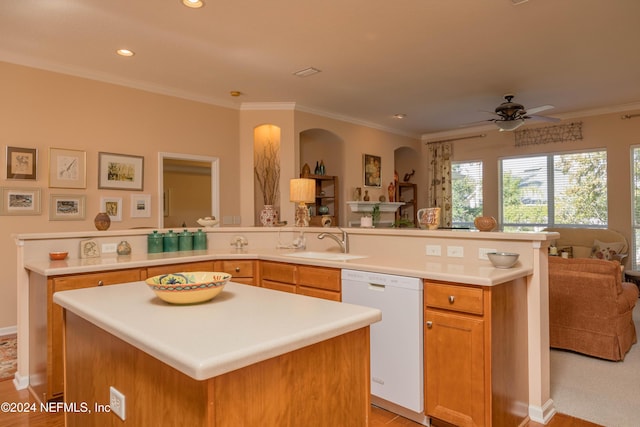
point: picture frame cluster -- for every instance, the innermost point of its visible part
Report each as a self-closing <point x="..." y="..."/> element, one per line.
<point x="67" y="169"/>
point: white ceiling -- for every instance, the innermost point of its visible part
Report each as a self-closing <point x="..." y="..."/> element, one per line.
<point x="443" y="63"/>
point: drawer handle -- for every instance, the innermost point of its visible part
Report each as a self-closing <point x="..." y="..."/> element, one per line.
<point x="452" y="299"/>
<point x="100" y="283"/>
<point x="429" y="324"/>
<point x="237" y="269"/>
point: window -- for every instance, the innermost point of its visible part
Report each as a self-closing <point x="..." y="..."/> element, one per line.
<point x="555" y="189"/>
<point x="635" y="188"/>
<point x="466" y="192"/>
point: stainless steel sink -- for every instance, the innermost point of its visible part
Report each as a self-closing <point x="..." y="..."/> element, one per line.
<point x="330" y="256"/>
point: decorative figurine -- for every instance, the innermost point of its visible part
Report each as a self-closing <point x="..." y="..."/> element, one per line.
<point x="392" y="191"/>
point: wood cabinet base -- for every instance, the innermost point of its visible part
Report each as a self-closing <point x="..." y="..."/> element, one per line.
<point x="323" y="384"/>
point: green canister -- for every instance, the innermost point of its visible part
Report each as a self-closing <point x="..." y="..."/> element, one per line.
<point x="170" y="241"/>
<point x="199" y="240"/>
<point x="154" y="242"/>
<point x="185" y="241"/>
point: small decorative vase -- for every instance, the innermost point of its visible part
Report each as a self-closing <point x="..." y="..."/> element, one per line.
<point x="102" y="221"/>
<point x="306" y="170"/>
<point x="268" y="216"/>
<point x="366" y="195"/>
<point x="124" y="248"/>
<point x="485" y="223"/>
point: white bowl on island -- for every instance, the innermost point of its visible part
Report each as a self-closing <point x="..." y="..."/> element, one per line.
<point x="208" y="221"/>
<point x="503" y="259"/>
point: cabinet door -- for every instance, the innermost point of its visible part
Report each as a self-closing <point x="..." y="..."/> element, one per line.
<point x="454" y="368"/>
<point x="319" y="282"/>
<point x="79" y="281"/>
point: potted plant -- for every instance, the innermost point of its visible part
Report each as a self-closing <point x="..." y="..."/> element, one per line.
<point x="267" y="172"/>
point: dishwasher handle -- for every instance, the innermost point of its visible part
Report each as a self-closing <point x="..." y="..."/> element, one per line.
<point x="377" y="287"/>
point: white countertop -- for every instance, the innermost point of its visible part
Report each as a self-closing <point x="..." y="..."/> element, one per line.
<point x="241" y="326"/>
<point x="444" y="268"/>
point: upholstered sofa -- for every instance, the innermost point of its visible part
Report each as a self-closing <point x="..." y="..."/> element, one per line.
<point x="602" y="243"/>
<point x="590" y="308"/>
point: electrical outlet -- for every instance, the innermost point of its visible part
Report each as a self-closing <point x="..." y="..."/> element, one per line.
<point x="455" y="251"/>
<point x="109" y="248"/>
<point x="117" y="403"/>
<point x="482" y="253"/>
<point x="434" y="250"/>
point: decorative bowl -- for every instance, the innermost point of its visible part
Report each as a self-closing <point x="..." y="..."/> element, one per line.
<point x="58" y="256"/>
<point x="207" y="221"/>
<point x="485" y="223"/>
<point x="503" y="259"/>
<point x="189" y="287"/>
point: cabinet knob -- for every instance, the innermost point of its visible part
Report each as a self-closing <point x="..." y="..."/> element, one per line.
<point x="452" y="299"/>
<point x="237" y="269"/>
<point x="100" y="283"/>
<point x="429" y="324"/>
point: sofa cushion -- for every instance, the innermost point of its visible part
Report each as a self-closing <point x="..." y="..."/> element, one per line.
<point x="582" y="240"/>
<point x="608" y="251"/>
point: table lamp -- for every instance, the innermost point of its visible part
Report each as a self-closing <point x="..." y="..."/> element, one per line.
<point x="302" y="191"/>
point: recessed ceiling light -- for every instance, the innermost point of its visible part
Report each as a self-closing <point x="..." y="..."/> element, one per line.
<point x="235" y="93"/>
<point x="125" y="52"/>
<point x="400" y="116"/>
<point x="194" y="4"/>
<point x="307" y="72"/>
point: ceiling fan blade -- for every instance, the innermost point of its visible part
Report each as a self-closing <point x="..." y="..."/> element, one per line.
<point x="481" y="122"/>
<point x="542" y="118"/>
<point x="539" y="109"/>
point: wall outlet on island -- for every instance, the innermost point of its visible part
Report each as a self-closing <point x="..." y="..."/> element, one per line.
<point x="434" y="250"/>
<point x="109" y="248"/>
<point x="116" y="402"/>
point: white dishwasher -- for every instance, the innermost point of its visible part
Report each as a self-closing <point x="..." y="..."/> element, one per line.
<point x="396" y="341"/>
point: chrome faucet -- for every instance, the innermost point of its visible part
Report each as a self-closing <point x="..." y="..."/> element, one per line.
<point x="344" y="243"/>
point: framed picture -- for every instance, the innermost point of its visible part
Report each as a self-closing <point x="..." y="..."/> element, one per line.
<point x="20" y="201"/>
<point x="66" y="207"/>
<point x="120" y="171"/>
<point x="371" y="167"/>
<point x="140" y="205"/>
<point x="67" y="168"/>
<point x="112" y="206"/>
<point x="89" y="249"/>
<point x="22" y="163"/>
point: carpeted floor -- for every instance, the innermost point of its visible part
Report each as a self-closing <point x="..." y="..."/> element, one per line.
<point x="8" y="357"/>
<point x="596" y="390"/>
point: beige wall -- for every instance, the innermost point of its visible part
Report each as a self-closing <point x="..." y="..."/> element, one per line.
<point x="606" y="131"/>
<point x="41" y="109"/>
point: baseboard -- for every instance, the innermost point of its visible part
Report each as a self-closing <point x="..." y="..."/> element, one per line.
<point x="9" y="330"/>
<point x="542" y="414"/>
<point x="20" y="382"/>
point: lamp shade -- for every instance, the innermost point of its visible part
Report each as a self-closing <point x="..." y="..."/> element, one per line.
<point x="302" y="190"/>
<point x="508" y="125"/>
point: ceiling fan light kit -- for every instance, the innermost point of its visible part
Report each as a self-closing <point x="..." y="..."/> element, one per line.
<point x="509" y="125"/>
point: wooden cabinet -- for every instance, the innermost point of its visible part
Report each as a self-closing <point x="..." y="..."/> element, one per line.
<point x="475" y="350"/>
<point x="407" y="193"/>
<point x="319" y="282"/>
<point x="46" y="358"/>
<point x="327" y="197"/>
<point x="242" y="271"/>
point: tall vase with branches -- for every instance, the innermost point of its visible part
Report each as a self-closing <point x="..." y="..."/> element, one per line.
<point x="267" y="172"/>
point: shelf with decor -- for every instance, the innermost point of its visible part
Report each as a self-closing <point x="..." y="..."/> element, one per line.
<point x="407" y="193"/>
<point x="327" y="200"/>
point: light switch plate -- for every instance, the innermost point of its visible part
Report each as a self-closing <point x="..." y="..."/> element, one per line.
<point x="109" y="248"/>
<point x="482" y="253"/>
<point x="434" y="250"/>
<point x="455" y="251"/>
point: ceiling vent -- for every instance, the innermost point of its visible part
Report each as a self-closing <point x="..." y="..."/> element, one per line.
<point x="306" y="72"/>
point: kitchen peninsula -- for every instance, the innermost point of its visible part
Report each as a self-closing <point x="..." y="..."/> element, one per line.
<point x="250" y="356"/>
<point x="390" y="251"/>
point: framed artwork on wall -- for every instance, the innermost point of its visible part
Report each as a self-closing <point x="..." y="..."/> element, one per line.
<point x="20" y="201"/>
<point x="67" y="168"/>
<point x="372" y="170"/>
<point x="22" y="163"/>
<point x="140" y="205"/>
<point x="66" y="207"/>
<point x="120" y="171"/>
<point x="112" y="206"/>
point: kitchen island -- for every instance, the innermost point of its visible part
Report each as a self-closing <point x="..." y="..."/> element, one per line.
<point x="251" y="356"/>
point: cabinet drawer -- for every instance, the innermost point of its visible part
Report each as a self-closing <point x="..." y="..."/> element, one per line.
<point x="319" y="277"/>
<point x="319" y="293"/>
<point x="178" y="268"/>
<point x="278" y="272"/>
<point x="279" y="286"/>
<point x="95" y="279"/>
<point x="456" y="298"/>
<point x="236" y="268"/>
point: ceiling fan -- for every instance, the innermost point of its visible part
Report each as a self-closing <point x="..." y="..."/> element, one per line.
<point x="512" y="115"/>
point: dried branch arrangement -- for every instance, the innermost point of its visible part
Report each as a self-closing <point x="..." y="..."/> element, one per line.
<point x="267" y="172"/>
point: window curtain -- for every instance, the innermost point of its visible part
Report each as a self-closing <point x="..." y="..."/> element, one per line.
<point x="439" y="195"/>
